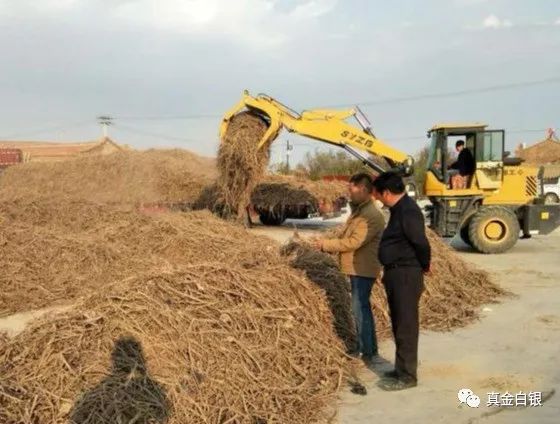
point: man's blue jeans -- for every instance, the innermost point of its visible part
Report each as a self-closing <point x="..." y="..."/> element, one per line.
<point x="361" y="307"/>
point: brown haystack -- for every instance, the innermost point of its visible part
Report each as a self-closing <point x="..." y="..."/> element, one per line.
<point x="454" y="291"/>
<point x="323" y="270"/>
<point x="153" y="176"/>
<point x="53" y="252"/>
<point x="240" y="164"/>
<point x="278" y="191"/>
<point x="228" y="330"/>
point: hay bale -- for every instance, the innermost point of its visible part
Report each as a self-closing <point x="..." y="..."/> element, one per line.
<point x="240" y="164"/>
<point x="152" y="176"/>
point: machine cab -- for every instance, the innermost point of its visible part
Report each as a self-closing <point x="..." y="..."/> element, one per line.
<point x="486" y="147"/>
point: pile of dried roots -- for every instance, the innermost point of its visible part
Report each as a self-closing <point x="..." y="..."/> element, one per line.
<point x="152" y="176"/>
<point x="454" y="291"/>
<point x="241" y="164"/>
<point x="279" y="191"/>
<point x="179" y="318"/>
<point x="53" y="252"/>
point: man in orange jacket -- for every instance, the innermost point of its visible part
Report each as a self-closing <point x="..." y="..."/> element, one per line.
<point x="357" y="246"/>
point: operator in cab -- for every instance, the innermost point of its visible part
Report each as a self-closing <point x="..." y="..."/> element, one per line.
<point x="463" y="167"/>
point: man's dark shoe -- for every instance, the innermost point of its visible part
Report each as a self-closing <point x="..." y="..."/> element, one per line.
<point x="391" y="374"/>
<point x="372" y="359"/>
<point x="393" y="385"/>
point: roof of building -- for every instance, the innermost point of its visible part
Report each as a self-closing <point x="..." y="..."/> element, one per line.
<point x="546" y="151"/>
<point x="52" y="149"/>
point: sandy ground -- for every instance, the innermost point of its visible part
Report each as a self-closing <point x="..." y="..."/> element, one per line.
<point x="515" y="346"/>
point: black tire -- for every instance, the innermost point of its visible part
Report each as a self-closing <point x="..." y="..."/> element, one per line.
<point x="464" y="233"/>
<point x="551" y="198"/>
<point x="494" y="229"/>
<point x="272" y="219"/>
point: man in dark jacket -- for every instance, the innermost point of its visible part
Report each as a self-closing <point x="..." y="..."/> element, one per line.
<point x="464" y="166"/>
<point x="404" y="252"/>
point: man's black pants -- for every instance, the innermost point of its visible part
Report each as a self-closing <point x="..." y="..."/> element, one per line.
<point x="403" y="286"/>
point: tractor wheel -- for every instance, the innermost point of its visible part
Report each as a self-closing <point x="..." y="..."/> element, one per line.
<point x="551" y="198"/>
<point x="464" y="233"/>
<point x="272" y="219"/>
<point x="493" y="229"/>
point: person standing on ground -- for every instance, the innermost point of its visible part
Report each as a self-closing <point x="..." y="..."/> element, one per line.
<point x="404" y="252"/>
<point x="357" y="245"/>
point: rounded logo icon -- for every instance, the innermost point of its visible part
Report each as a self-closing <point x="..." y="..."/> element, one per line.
<point x="463" y="394"/>
<point x="473" y="401"/>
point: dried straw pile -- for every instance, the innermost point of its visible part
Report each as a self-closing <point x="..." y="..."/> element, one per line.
<point x="240" y="164"/>
<point x="53" y="252"/>
<point x="279" y="191"/>
<point x="152" y="176"/>
<point x="197" y="322"/>
<point x="453" y="292"/>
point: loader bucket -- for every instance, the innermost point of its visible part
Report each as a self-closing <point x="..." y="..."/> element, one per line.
<point x="249" y="104"/>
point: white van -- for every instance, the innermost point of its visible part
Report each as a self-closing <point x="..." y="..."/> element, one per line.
<point x="551" y="190"/>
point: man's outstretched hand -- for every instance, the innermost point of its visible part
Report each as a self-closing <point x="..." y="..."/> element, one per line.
<point x="316" y="243"/>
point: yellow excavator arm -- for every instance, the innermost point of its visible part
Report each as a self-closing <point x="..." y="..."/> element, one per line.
<point x="325" y="125"/>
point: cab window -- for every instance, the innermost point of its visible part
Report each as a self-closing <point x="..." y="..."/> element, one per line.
<point x="490" y="146"/>
<point x="435" y="155"/>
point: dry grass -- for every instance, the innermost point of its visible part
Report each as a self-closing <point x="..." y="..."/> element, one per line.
<point x="240" y="164"/>
<point x="229" y="331"/>
<point x="54" y="252"/>
<point x="153" y="176"/>
<point x="454" y="291"/>
<point x="279" y="191"/>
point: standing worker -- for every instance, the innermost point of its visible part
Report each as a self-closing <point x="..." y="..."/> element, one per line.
<point x="357" y="245"/>
<point x="405" y="254"/>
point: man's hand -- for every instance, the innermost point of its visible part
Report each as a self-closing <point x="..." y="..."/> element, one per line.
<point x="316" y="243"/>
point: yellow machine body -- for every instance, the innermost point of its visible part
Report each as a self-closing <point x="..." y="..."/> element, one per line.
<point x="502" y="197"/>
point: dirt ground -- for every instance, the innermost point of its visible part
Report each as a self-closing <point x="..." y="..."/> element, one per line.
<point x="513" y="347"/>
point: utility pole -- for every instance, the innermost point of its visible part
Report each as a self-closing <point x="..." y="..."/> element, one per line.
<point x="105" y="122"/>
<point x="289" y="148"/>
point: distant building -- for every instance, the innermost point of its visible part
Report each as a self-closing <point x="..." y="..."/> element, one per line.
<point x="44" y="151"/>
<point x="544" y="152"/>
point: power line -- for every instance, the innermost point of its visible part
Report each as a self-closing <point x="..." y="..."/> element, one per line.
<point x="133" y="130"/>
<point x="390" y="100"/>
<point x="47" y="130"/>
<point x="487" y="89"/>
<point x="166" y="118"/>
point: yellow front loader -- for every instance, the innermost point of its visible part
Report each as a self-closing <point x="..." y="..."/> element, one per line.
<point x="502" y="199"/>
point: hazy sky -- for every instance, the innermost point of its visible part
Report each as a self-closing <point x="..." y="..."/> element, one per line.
<point x="63" y="62"/>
